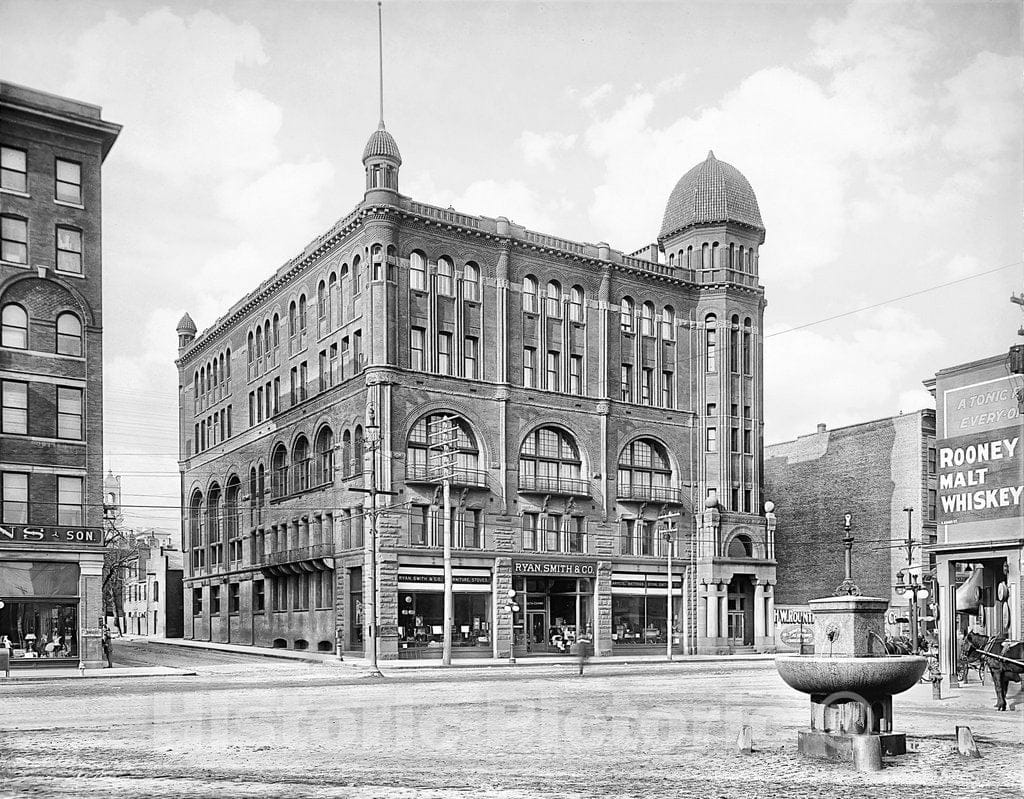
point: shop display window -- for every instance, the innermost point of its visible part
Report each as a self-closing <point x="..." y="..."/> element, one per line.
<point x="421" y="620"/>
<point x="45" y="629"/>
<point x="638" y="620"/>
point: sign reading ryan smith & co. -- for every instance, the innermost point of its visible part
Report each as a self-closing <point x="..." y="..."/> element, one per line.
<point x="551" y="568"/>
<point x="45" y="535"/>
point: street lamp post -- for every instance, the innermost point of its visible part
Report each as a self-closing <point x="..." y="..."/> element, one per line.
<point x="915" y="589"/>
<point x="668" y="607"/>
<point x="848" y="586"/>
<point x="511" y="608"/>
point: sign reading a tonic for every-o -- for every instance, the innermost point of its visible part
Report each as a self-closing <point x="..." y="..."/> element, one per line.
<point x="547" y="568"/>
<point x="45" y="535"/>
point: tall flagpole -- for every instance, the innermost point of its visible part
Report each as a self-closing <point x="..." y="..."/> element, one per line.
<point x="380" y="58"/>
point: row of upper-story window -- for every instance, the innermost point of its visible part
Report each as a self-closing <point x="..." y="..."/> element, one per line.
<point x="214" y="429"/>
<point x="23" y="503"/>
<point x="711" y="255"/>
<point x="14" y="172"/>
<point x="549" y="461"/>
<point x="630" y="320"/>
<point x="68" y="243"/>
<point x="212" y="381"/>
<point x="14" y="330"/>
<point x="53" y="412"/>
<point x="445" y="278"/>
<point x="556" y="304"/>
<point x="741" y="354"/>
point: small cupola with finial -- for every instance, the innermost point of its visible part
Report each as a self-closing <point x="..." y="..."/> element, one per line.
<point x="381" y="158"/>
<point x="186" y="332"/>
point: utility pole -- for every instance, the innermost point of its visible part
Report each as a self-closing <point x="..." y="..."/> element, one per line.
<point x="443" y="440"/>
<point x="910" y="535"/>
<point x="371" y="637"/>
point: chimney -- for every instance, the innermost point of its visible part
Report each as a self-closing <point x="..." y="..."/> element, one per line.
<point x="821" y="427"/>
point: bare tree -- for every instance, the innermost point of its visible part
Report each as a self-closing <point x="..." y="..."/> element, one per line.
<point x="121" y="549"/>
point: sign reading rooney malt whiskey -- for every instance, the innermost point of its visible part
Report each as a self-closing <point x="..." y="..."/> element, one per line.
<point x="980" y="463"/>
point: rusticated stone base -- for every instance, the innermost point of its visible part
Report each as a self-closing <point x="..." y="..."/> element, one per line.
<point x="839" y="746"/>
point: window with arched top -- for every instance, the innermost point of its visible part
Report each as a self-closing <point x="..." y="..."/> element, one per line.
<point x="671" y="260"/>
<point x="668" y="323"/>
<point x="741" y="546"/>
<point x="323" y="309"/>
<point x="302" y="313"/>
<point x="711" y="342"/>
<point x="705" y="256"/>
<point x="741" y="262"/>
<point x="471" y="282"/>
<point x="734" y="344"/>
<point x="357" y="450"/>
<point x="645" y="473"/>
<point x="576" y="304"/>
<point x="689" y="257"/>
<point x="417" y="271"/>
<point x="69" y="334"/>
<point x="549" y="462"/>
<point x="275" y="332"/>
<point x="232" y="507"/>
<point x="647" y="319"/>
<point x="14" y="321"/>
<point x="279" y="472"/>
<point x="377" y="262"/>
<point x="195" y="520"/>
<point x="747" y="344"/>
<point x="293" y="319"/>
<point x="732" y="255"/>
<point x="346" y="453"/>
<point x="421" y="466"/>
<point x="554" y="299"/>
<point x="253" y="499"/>
<point x="250" y="348"/>
<point x="300" y="464"/>
<point x="357" y="277"/>
<point x="445" y="276"/>
<point x="324" y="456"/>
<point x="213" y="514"/>
<point x="530" y="294"/>
<point x="332" y="299"/>
<point x="626" y="312"/>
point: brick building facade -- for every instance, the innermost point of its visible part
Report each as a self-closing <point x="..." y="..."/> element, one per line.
<point x="599" y="401"/>
<point x="873" y="470"/>
<point x="153" y="587"/>
<point x="51" y="368"/>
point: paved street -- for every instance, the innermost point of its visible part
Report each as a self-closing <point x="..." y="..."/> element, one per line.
<point x="269" y="728"/>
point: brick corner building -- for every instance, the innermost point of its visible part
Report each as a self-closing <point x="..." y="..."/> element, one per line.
<point x="599" y="401"/>
<point x="51" y="368"/>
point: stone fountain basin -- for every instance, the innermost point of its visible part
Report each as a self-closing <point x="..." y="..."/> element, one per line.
<point x="818" y="674"/>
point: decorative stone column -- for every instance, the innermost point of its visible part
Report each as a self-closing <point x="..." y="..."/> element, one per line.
<point x="502" y="582"/>
<point x="759" y="613"/>
<point x="90" y="611"/>
<point x="702" y="611"/>
<point x="603" y="605"/>
<point x="723" y="613"/>
<point x="712" y="617"/>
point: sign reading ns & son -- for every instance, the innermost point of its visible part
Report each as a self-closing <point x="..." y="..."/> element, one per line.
<point x="44" y="535"/>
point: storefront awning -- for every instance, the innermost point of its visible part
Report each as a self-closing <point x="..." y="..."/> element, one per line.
<point x="38" y="580"/>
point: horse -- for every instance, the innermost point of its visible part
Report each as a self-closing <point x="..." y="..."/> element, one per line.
<point x="1005" y="660"/>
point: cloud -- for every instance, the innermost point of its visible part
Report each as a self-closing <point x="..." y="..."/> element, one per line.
<point x="846" y="378"/>
<point x="538" y="149"/>
<point x="595" y="97"/>
<point x="984" y="104"/>
<point x="172" y="81"/>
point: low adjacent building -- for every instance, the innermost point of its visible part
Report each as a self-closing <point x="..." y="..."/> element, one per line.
<point x="882" y="472"/>
<point x="153" y="587"/>
<point x="980" y="537"/>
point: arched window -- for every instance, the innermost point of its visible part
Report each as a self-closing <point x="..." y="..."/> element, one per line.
<point x="259" y="347"/>
<point x="302" y="313"/>
<point x="530" y="294"/>
<point x="325" y="456"/>
<point x="467" y="454"/>
<point x="69" y="334"/>
<point x="357" y="450"/>
<point x="417" y="271"/>
<point x="392" y="263"/>
<point x="734" y="344"/>
<point x="377" y="262"/>
<point x="671" y="260"/>
<point x="689" y="257"/>
<point x="445" y="276"/>
<point x="549" y="462"/>
<point x="293" y="320"/>
<point x="740" y="547"/>
<point x="267" y="341"/>
<point x="741" y="260"/>
<point x="300" y="465"/>
<point x="647" y="319"/>
<point x="711" y="342"/>
<point x="626" y="312"/>
<point x="253" y="499"/>
<point x="357" y="267"/>
<point x="323" y="309"/>
<point x="346" y="454"/>
<point x="332" y="300"/>
<point x="576" y="300"/>
<point x="195" y="520"/>
<point x="705" y="256"/>
<point x="747" y="361"/>
<point x="668" y="323"/>
<point x="232" y="510"/>
<point x="275" y="332"/>
<point x="471" y="282"/>
<point x="279" y="472"/>
<point x="213" y="515"/>
<point x="15" y="327"/>
<point x="261" y="486"/>
<point x="250" y="350"/>
<point x="645" y="473"/>
<point x="732" y="255"/>
<point x="156" y="591"/>
<point x="554" y="295"/>
<point x="716" y="255"/>
<point x="227" y="365"/>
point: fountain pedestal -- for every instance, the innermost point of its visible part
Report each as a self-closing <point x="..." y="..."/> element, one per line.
<point x="850" y="678"/>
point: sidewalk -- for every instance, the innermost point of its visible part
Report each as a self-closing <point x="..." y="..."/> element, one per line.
<point x="43" y="675"/>
<point x="357" y="661"/>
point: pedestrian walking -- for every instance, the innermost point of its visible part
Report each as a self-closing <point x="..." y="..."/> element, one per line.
<point x="107" y="648"/>
<point x="582" y="653"/>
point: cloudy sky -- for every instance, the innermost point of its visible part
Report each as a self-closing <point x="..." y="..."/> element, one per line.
<point x="883" y="140"/>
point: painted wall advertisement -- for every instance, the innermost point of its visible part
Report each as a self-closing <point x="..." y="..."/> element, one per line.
<point x="794" y="624"/>
<point x="980" y="464"/>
